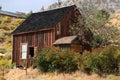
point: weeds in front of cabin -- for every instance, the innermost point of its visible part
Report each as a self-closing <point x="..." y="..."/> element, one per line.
<point x="5" y="65"/>
<point x="100" y="61"/>
<point x="56" y="60"/>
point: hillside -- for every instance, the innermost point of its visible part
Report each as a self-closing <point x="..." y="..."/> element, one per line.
<point x="7" y="25"/>
<point x="114" y="22"/>
<point x="108" y="5"/>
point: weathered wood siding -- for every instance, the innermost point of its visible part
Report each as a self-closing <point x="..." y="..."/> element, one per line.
<point x="37" y="40"/>
<point x="76" y="48"/>
<point x="64" y="24"/>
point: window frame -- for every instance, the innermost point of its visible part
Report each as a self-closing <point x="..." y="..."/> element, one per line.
<point x="24" y="51"/>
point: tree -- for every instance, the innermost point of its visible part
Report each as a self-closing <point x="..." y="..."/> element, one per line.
<point x="42" y="8"/>
<point x="77" y="27"/>
<point x="59" y="3"/>
<point x="92" y="22"/>
<point x="29" y="14"/>
<point x="95" y="20"/>
<point x="0" y="7"/>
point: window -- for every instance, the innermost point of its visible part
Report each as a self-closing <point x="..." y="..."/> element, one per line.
<point x="24" y="51"/>
<point x="65" y="47"/>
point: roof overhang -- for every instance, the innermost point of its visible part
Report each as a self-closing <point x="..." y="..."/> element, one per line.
<point x="65" y="40"/>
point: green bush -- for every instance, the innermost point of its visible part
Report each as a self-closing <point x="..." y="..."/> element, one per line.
<point x="5" y="64"/>
<point x="99" y="41"/>
<point x="51" y="59"/>
<point x="101" y="61"/>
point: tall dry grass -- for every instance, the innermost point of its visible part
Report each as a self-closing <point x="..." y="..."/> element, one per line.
<point x="34" y="74"/>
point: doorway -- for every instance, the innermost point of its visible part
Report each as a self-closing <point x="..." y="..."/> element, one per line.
<point x="31" y="56"/>
<point x="31" y="51"/>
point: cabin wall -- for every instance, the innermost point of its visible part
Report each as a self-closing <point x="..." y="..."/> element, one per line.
<point x="38" y="40"/>
<point x="87" y="48"/>
<point x="64" y="24"/>
<point x="76" y="48"/>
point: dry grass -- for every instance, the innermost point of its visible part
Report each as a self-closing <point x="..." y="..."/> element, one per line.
<point x="33" y="74"/>
<point x="115" y="20"/>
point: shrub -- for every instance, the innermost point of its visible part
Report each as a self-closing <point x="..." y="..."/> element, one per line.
<point x="8" y="56"/>
<point x="2" y="50"/>
<point x="5" y="64"/>
<point x="99" y="41"/>
<point x="2" y="78"/>
<point x="52" y="59"/>
<point x="101" y="61"/>
<point x="7" y="19"/>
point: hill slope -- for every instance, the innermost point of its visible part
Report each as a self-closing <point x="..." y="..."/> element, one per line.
<point x="108" y="5"/>
<point x="7" y="25"/>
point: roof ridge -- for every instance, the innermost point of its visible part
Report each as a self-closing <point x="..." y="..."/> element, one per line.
<point x="54" y="9"/>
<point x="43" y="20"/>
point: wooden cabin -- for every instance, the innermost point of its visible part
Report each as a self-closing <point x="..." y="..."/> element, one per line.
<point x="40" y="30"/>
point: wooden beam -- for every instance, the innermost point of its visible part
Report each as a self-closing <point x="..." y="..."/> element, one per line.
<point x="34" y="31"/>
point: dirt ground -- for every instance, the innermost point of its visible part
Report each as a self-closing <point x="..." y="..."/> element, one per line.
<point x="34" y="74"/>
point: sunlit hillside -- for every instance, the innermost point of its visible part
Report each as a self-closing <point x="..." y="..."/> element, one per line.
<point x="114" y="22"/>
<point x="7" y="25"/>
<point x="108" y="5"/>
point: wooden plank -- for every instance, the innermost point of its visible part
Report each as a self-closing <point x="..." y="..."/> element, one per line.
<point x="33" y="31"/>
